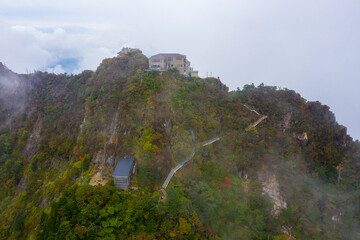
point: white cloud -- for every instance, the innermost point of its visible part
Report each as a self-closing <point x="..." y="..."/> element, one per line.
<point x="57" y="69"/>
<point x="26" y="48"/>
<point x="92" y="58"/>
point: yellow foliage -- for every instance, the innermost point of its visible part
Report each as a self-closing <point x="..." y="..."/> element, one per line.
<point x="281" y="237"/>
<point x="184" y="227"/>
<point x="172" y="234"/>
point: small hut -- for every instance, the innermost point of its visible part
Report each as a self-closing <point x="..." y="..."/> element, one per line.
<point x="125" y="167"/>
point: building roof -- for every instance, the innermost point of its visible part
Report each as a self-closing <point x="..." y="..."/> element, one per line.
<point x="123" y="167"/>
<point x="165" y="55"/>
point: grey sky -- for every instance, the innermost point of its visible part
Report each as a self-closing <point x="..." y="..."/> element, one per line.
<point x="312" y="46"/>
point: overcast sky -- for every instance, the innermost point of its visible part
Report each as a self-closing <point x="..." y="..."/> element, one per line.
<point x="310" y="46"/>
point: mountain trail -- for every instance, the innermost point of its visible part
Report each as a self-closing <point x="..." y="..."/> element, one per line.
<point x="180" y="165"/>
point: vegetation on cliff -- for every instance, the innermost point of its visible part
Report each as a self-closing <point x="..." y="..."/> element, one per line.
<point x="58" y="131"/>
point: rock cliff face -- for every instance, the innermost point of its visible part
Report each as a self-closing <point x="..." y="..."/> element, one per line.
<point x="105" y="158"/>
<point x="302" y="138"/>
<point x="286" y="121"/>
<point x="22" y="185"/>
<point x="271" y="187"/>
<point x="32" y="142"/>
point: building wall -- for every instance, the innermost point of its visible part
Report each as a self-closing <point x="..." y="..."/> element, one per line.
<point x="157" y="63"/>
<point x="179" y="63"/>
<point x="194" y="74"/>
<point x="121" y="182"/>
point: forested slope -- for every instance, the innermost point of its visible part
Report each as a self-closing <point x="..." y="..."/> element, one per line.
<point x="293" y="176"/>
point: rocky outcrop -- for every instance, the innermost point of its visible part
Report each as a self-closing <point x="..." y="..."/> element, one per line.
<point x="302" y="138"/>
<point x="339" y="170"/>
<point x="104" y="159"/>
<point x="287" y="232"/>
<point x="192" y="135"/>
<point x="271" y="187"/>
<point x="127" y="50"/>
<point x="84" y="120"/>
<point x="97" y="179"/>
<point x="337" y="217"/>
<point x="243" y="174"/>
<point x="33" y="141"/>
<point x="168" y="126"/>
<point x="286" y="121"/>
<point x="43" y="202"/>
<point x="22" y="185"/>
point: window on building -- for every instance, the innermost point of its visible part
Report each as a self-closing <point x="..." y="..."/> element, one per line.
<point x="156" y="60"/>
<point x="169" y="58"/>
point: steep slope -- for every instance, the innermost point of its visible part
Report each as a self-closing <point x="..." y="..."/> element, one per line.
<point x="293" y="175"/>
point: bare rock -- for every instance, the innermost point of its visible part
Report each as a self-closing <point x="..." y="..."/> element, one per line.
<point x="22" y="185"/>
<point x="286" y="121"/>
<point x="287" y="232"/>
<point x="43" y="202"/>
<point x="168" y="126"/>
<point x="302" y="138"/>
<point x="98" y="179"/>
<point x="33" y="141"/>
<point x="271" y="187"/>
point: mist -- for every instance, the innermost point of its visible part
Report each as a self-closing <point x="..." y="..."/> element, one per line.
<point x="14" y="90"/>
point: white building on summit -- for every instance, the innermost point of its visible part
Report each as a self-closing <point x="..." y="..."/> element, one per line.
<point x="164" y="61"/>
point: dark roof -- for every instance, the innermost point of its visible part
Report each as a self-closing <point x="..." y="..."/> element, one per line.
<point x="123" y="167"/>
<point x="165" y="55"/>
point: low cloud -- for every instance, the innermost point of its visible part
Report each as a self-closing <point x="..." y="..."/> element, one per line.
<point x="57" y="69"/>
<point x="27" y="48"/>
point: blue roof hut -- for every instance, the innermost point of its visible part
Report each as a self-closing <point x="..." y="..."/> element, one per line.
<point x="125" y="167"/>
